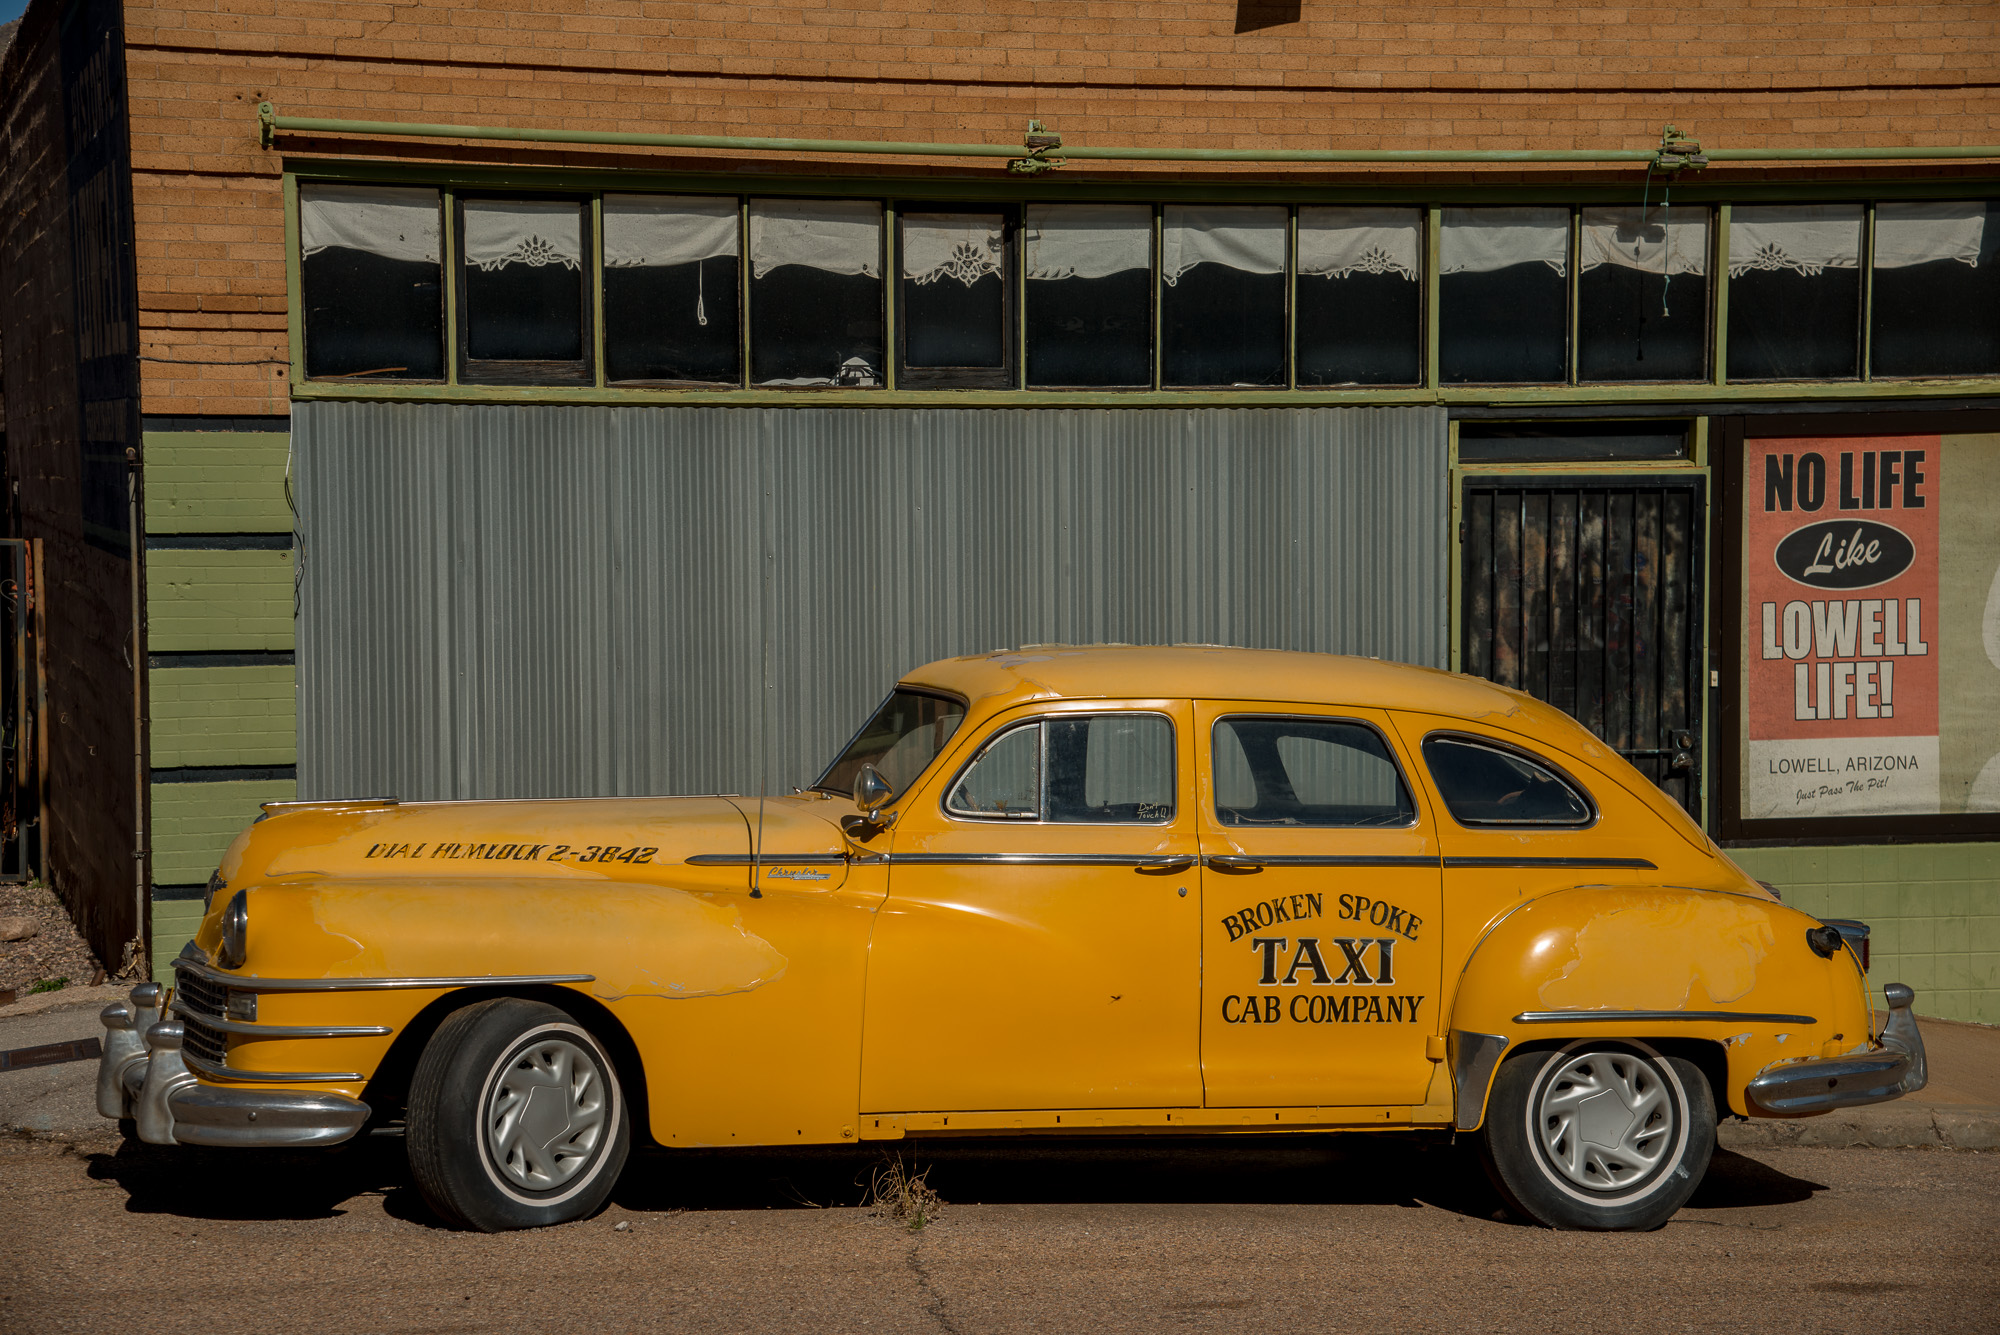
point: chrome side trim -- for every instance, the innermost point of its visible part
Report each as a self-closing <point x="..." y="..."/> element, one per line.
<point x="1566" y="864"/>
<point x="250" y="983"/>
<point x="216" y="1072"/>
<point x="1473" y="1058"/>
<point x="1648" y="1017"/>
<point x="1329" y="860"/>
<point x="768" y="859"/>
<point x="180" y="1007"/>
<point x="1023" y="859"/>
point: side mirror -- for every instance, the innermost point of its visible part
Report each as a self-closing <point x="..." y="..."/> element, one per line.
<point x="871" y="791"/>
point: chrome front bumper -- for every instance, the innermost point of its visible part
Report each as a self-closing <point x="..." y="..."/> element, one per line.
<point x="1892" y="1068"/>
<point x="142" y="1075"/>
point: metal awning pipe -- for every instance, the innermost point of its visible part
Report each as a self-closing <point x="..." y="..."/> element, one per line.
<point x="272" y="123"/>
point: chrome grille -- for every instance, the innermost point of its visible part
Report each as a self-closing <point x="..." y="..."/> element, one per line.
<point x="200" y="994"/>
<point x="203" y="1042"/>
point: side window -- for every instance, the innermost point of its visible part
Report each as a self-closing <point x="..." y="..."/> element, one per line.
<point x="1489" y="785"/>
<point x="1096" y="769"/>
<point x="1306" y="772"/>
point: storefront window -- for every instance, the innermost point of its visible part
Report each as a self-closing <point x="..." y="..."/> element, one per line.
<point x="523" y="315"/>
<point x="1794" y="291"/>
<point x="370" y="266"/>
<point x="1360" y="296"/>
<point x="954" y="293"/>
<point x="816" y="292"/>
<point x="1936" y="306"/>
<point x="1222" y="312"/>
<point x="670" y="289"/>
<point x="1642" y="294"/>
<point x="1503" y="296"/>
<point x="1089" y="295"/>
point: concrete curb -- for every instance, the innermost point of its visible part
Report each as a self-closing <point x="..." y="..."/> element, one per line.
<point x="1884" y="1126"/>
<point x="38" y="1002"/>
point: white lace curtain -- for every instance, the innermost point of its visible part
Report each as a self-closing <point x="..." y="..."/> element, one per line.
<point x="964" y="246"/>
<point x="838" y="236"/>
<point x="1088" y="240"/>
<point x="661" y="230"/>
<point x="395" y="222"/>
<point x="535" y="232"/>
<point x="1919" y="233"/>
<point x="1807" y="239"/>
<point x="1664" y="241"/>
<point x="1486" y="240"/>
<point x="1336" y="242"/>
<point x="1244" y="237"/>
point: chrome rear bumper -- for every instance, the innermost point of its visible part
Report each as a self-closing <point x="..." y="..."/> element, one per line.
<point x="1892" y="1068"/>
<point x="147" y="1079"/>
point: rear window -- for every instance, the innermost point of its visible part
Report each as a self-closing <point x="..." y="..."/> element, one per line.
<point x="1484" y="784"/>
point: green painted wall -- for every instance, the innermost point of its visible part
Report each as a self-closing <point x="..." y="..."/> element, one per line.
<point x="217" y="482"/>
<point x="174" y="923"/>
<point x="224" y="716"/>
<point x="218" y="600"/>
<point x="194" y="822"/>
<point x="1934" y="908"/>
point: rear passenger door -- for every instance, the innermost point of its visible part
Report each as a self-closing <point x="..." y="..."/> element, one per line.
<point x="1320" y="898"/>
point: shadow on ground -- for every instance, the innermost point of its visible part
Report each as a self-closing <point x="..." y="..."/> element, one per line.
<point x="1388" y="1169"/>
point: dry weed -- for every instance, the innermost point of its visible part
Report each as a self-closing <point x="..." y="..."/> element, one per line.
<point x="894" y="1192"/>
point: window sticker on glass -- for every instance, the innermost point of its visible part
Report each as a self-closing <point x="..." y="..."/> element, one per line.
<point x="1306" y="772"/>
<point x="1491" y="785"/>
<point x="371" y="258"/>
<point x="671" y="311"/>
<point x="816" y="292"/>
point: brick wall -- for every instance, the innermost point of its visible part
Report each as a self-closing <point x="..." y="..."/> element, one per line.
<point x="210" y="225"/>
<point x="90" y="817"/>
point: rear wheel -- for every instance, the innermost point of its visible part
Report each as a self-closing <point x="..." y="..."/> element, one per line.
<point x="1598" y="1134"/>
<point x="516" y="1118"/>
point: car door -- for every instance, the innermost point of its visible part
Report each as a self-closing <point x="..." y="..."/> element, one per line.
<point x="1320" y="910"/>
<point x="1039" y="945"/>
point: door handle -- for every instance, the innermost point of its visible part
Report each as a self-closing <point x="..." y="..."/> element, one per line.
<point x="1163" y="865"/>
<point x="1233" y="862"/>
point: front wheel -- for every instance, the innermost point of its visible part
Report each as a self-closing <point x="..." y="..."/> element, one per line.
<point x="516" y="1118"/>
<point x="1598" y="1134"/>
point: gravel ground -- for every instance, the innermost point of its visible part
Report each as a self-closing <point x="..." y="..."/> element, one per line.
<point x="1102" y="1237"/>
<point x="54" y="952"/>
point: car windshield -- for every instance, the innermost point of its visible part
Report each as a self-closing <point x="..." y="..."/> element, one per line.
<point x="903" y="737"/>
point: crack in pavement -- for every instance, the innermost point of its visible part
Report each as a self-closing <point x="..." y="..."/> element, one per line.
<point x="935" y="1305"/>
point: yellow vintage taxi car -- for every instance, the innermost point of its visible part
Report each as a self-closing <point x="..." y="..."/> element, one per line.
<point x="1054" y="890"/>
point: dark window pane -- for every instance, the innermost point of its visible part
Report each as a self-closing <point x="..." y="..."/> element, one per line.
<point x="1642" y="294"/>
<point x="953" y="297"/>
<point x="1794" y="291"/>
<point x="1300" y="771"/>
<point x="1110" y="768"/>
<point x="1360" y="296"/>
<point x="670" y="289"/>
<point x="1571" y="442"/>
<point x="1937" y="288"/>
<point x="1090" y="294"/>
<point x="1503" y="296"/>
<point x="1486" y="785"/>
<point x="523" y="280"/>
<point x="369" y="272"/>
<point x="1222" y="315"/>
<point x="816" y="292"/>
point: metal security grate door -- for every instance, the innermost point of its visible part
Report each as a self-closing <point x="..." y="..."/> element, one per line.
<point x="1587" y="593"/>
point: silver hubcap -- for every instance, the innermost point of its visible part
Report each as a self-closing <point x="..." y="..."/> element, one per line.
<point x="546" y="1114"/>
<point x="1604" y="1119"/>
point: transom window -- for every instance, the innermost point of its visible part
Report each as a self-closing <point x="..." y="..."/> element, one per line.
<point x="1486" y="784"/>
<point x="1306" y="772"/>
<point x="1079" y="769"/>
<point x="680" y="291"/>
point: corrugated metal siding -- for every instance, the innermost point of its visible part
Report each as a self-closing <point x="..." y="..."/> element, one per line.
<point x="550" y="600"/>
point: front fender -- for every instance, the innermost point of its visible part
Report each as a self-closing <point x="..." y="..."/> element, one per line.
<point x="1657" y="964"/>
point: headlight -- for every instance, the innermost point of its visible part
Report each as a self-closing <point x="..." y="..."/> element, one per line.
<point x="236" y="931"/>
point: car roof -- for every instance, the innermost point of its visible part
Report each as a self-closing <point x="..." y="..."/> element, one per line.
<point x="1218" y="672"/>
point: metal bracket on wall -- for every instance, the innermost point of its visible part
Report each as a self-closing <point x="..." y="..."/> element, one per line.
<point x="1678" y="151"/>
<point x="1038" y="142"/>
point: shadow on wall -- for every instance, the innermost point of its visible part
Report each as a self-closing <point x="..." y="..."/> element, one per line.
<point x="1255" y="15"/>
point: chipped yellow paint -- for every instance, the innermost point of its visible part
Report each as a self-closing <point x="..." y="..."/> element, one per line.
<point x="1658" y="950"/>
